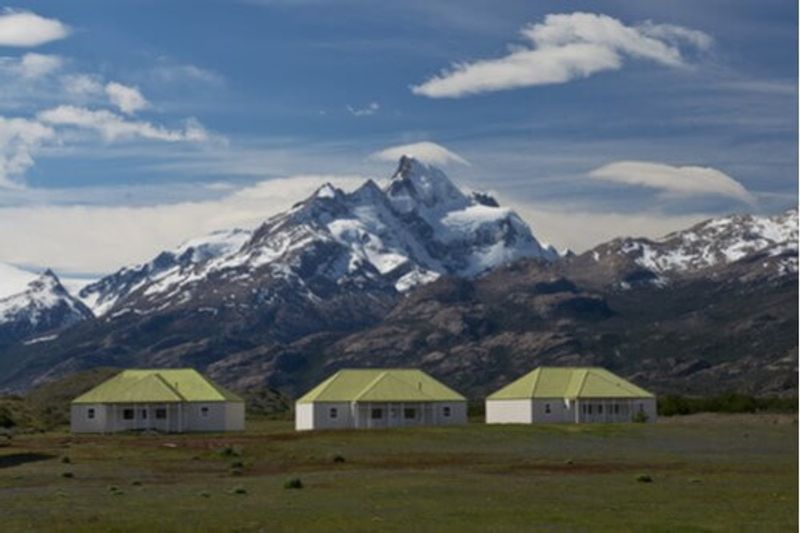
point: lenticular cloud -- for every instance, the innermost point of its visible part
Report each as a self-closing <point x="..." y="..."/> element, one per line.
<point x="567" y="47"/>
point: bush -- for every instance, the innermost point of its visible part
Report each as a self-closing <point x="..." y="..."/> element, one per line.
<point x="644" y="478"/>
<point x="205" y="494"/>
<point x="236" y="471"/>
<point x="136" y="483"/>
<point x="66" y="460"/>
<point x="338" y="458"/>
<point x="294" y="483"/>
<point x="68" y="475"/>
<point x="239" y="490"/>
<point x="230" y="451"/>
<point x="237" y="464"/>
<point x="731" y="402"/>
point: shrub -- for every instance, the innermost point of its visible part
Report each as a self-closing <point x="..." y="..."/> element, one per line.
<point x="729" y="402"/>
<point x="239" y="490"/>
<point x="294" y="483"/>
<point x="136" y="483"/>
<point x="237" y="464"/>
<point x="68" y="475"/>
<point x="230" y="451"/>
<point x="66" y="460"/>
<point x="236" y="471"/>
<point x="640" y="417"/>
<point x="205" y="494"/>
<point x="338" y="458"/>
<point x="644" y="478"/>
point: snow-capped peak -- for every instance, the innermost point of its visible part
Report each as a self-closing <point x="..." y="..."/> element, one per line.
<point x="417" y="185"/>
<point x="101" y="295"/>
<point x="419" y="227"/>
<point x="713" y="243"/>
<point x="44" y="305"/>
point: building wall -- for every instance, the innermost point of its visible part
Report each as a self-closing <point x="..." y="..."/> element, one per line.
<point x="214" y="419"/>
<point x="393" y="414"/>
<point x="303" y="416"/>
<point x="509" y="412"/>
<point x="318" y="415"/>
<point x="234" y="416"/>
<point x="649" y="406"/>
<point x="220" y="416"/>
<point x="80" y="422"/>
<point x="561" y="410"/>
<point x="553" y="411"/>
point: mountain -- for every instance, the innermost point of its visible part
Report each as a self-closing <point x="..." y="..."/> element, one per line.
<point x="43" y="308"/>
<point x="702" y="251"/>
<point x="709" y="309"/>
<point x="101" y="295"/>
<point x="333" y="264"/>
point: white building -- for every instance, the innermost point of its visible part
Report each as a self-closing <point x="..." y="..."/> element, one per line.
<point x="378" y="398"/>
<point x="169" y="400"/>
<point x="570" y="395"/>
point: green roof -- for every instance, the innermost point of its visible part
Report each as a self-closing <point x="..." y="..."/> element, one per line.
<point x="158" y="386"/>
<point x="569" y="382"/>
<point x="380" y="385"/>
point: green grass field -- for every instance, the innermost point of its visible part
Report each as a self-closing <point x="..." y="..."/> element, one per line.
<point x="709" y="473"/>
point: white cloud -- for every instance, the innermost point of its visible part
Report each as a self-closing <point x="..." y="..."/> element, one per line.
<point x="686" y="181"/>
<point x="428" y="152"/>
<point x="19" y="139"/>
<point x="370" y="109"/>
<point x="113" y="127"/>
<point x="566" y="47"/>
<point x="168" y="72"/>
<point x="31" y="65"/>
<point x="104" y="238"/>
<point x="34" y="65"/>
<point x="25" y="29"/>
<point x="579" y="229"/>
<point x="127" y="99"/>
<point x="82" y="85"/>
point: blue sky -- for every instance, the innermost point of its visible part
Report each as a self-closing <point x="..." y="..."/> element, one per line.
<point x="128" y="127"/>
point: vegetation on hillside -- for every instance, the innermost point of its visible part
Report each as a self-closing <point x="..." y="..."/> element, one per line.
<point x="732" y="402"/>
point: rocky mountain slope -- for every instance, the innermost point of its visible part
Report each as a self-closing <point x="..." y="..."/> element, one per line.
<point x="333" y="264"/>
<point x="39" y="312"/>
<point x="724" y="317"/>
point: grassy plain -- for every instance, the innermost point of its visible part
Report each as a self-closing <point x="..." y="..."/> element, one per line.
<point x="708" y="473"/>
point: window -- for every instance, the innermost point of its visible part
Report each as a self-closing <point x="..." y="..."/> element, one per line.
<point x="204" y="412"/>
<point x="144" y="414"/>
<point x="127" y="414"/>
<point x="589" y="408"/>
<point x="90" y="413"/>
<point x="616" y="408"/>
<point x="161" y="413"/>
<point x="377" y="413"/>
<point x="409" y="413"/>
<point x="446" y="411"/>
<point x="547" y="408"/>
<point x="333" y="413"/>
<point x="600" y="409"/>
